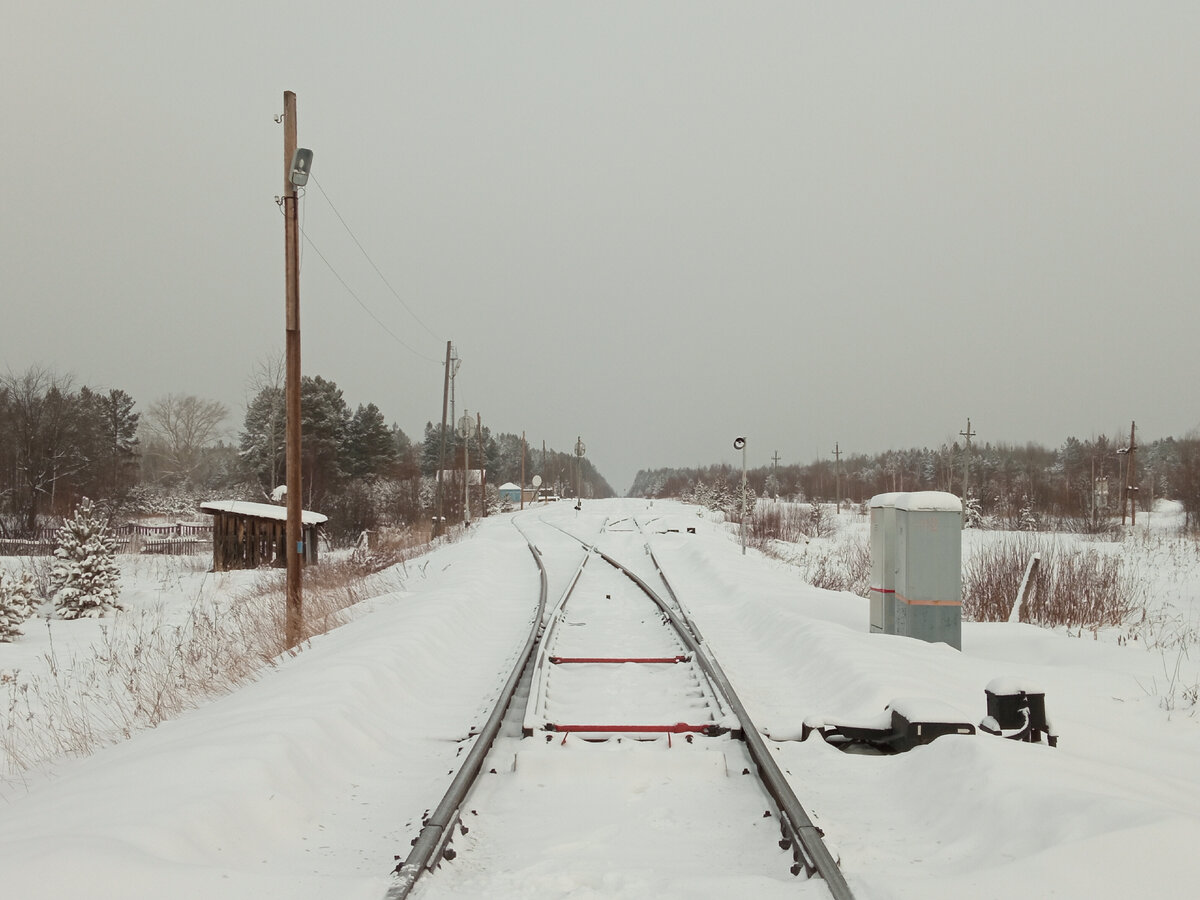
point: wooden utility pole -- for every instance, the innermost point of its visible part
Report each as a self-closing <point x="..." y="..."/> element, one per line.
<point x="837" y="474"/>
<point x="294" y="619"/>
<point x="440" y="524"/>
<point x="968" y="434"/>
<point x="454" y="363"/>
<point x="464" y="429"/>
<point x="1130" y="498"/>
<point x="1093" y="491"/>
<point x="482" y="468"/>
<point x="522" y="470"/>
<point x="775" y="471"/>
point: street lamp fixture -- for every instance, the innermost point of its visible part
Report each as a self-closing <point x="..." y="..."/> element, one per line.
<point x="739" y="443"/>
<point x="301" y="167"/>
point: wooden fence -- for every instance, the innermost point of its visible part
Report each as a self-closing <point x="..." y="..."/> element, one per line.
<point x="179" y="539"/>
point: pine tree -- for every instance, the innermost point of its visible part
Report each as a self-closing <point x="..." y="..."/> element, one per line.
<point x="16" y="603"/>
<point x="972" y="513"/>
<point x="85" y="577"/>
<point x="370" y="447"/>
<point x="263" y="439"/>
<point x="1028" y="519"/>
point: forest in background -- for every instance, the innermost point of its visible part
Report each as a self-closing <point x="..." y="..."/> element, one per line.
<point x="60" y="443"/>
<point x="1078" y="485"/>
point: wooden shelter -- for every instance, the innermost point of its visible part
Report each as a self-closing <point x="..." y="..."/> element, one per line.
<point x="249" y="535"/>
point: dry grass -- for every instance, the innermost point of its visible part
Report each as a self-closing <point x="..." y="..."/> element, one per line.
<point x="145" y="670"/>
<point x="808" y="537"/>
<point x="1072" y="588"/>
<point x="789" y="522"/>
<point x="846" y="567"/>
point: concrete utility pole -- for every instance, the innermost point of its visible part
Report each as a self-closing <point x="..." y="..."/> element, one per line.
<point x="439" y="525"/>
<point x="294" y="618"/>
<point x="968" y="434"/>
<point x="837" y="475"/>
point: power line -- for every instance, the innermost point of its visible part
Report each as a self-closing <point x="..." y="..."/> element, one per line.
<point x="382" y="277"/>
<point x="358" y="300"/>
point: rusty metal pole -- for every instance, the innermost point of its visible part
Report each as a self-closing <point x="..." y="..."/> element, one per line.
<point x="294" y="621"/>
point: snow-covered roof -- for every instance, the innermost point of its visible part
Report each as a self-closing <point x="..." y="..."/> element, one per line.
<point x="508" y="486"/>
<point x="884" y="499"/>
<point x="929" y="500"/>
<point x="260" y="511"/>
<point x="474" y="476"/>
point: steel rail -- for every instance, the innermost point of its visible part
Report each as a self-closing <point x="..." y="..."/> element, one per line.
<point x="805" y="835"/>
<point x="439" y="827"/>
<point x="537" y="698"/>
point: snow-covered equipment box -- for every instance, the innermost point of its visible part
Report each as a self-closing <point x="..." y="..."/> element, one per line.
<point x="929" y="567"/>
<point x="904" y="724"/>
<point x="883" y="563"/>
<point x="1016" y="710"/>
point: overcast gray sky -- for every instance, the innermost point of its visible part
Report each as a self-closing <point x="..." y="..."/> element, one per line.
<point x="655" y="225"/>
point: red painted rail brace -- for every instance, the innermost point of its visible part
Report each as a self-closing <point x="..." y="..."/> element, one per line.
<point x="558" y="660"/>
<point x="677" y="728"/>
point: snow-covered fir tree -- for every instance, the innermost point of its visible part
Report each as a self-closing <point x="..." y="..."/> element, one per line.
<point x="16" y="603"/>
<point x="972" y="513"/>
<point x="1027" y="518"/>
<point x="85" y="577"/>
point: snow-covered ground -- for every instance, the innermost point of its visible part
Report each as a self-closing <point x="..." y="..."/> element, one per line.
<point x="309" y="780"/>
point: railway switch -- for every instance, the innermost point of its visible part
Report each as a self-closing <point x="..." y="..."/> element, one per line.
<point x="904" y="724"/>
<point x="1017" y="711"/>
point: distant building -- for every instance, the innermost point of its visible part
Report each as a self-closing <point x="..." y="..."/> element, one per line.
<point x="249" y="535"/>
<point x="509" y="493"/>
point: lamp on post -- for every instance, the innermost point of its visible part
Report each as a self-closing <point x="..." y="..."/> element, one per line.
<point x="298" y="164"/>
<point x="580" y="449"/>
<point x="740" y="444"/>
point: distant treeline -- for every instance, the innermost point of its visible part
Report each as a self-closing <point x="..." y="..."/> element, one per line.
<point x="1078" y="480"/>
<point x="60" y="443"/>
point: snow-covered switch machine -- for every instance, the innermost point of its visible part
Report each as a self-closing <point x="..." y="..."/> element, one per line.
<point x="928" y="586"/>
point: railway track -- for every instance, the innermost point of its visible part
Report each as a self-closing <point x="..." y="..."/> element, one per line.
<point x="617" y="734"/>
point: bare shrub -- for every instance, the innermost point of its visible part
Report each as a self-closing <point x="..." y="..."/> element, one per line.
<point x="1081" y="590"/>
<point x="775" y="522"/>
<point x="992" y="576"/>
<point x="1077" y="589"/>
<point x="789" y="522"/>
<point x="1101" y="527"/>
<point x="846" y="566"/>
<point x="818" y="522"/>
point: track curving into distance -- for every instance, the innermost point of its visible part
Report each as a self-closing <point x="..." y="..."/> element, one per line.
<point x="615" y="682"/>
